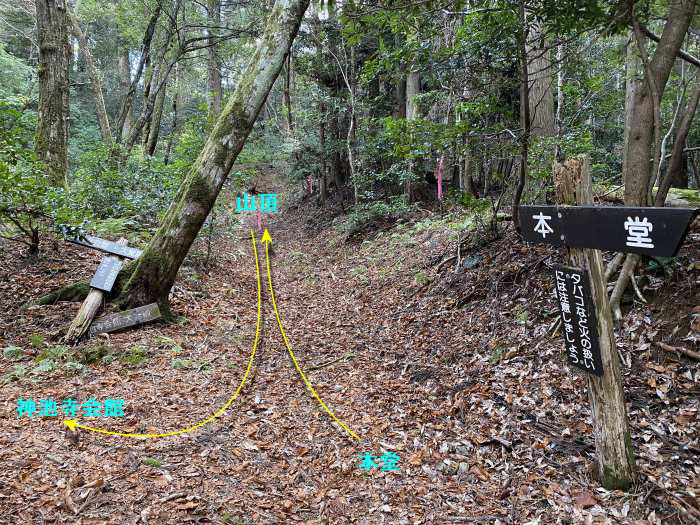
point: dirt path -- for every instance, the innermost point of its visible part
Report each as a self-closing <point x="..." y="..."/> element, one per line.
<point x="488" y="423"/>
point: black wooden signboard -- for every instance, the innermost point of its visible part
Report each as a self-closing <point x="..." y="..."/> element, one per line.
<point x="648" y="231"/>
<point x="108" y="246"/>
<point x="578" y="318"/>
<point x="541" y="224"/>
<point x="106" y="273"/>
<point x="119" y="320"/>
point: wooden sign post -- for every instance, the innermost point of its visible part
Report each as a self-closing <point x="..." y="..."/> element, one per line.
<point x="93" y="301"/>
<point x="615" y="456"/>
<point x="584" y="230"/>
<point x="102" y="283"/>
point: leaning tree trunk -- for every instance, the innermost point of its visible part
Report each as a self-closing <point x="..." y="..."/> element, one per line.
<point x="52" y="126"/>
<point x="678" y="160"/>
<point x="100" y="108"/>
<point x="154" y="128"/>
<point x="157" y="267"/>
<point x="128" y="100"/>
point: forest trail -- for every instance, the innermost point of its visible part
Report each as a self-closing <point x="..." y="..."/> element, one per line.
<point x="456" y="375"/>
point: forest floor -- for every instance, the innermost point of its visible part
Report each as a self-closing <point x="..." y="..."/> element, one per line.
<point x="455" y="371"/>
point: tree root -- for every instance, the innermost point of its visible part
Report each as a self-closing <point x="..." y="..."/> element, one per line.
<point x="622" y="281"/>
<point x="613" y="265"/>
<point x="80" y="290"/>
<point x="73" y="292"/>
<point x="688" y="353"/>
<point x="636" y="288"/>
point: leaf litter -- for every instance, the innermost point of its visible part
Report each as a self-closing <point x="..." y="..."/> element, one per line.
<point x="455" y="370"/>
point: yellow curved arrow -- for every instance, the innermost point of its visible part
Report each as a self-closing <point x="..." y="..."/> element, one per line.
<point x="74" y="422"/>
<point x="267" y="240"/>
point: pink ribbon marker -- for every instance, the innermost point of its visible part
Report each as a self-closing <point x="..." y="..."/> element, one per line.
<point x="310" y="182"/>
<point x="259" y="214"/>
<point x="438" y="173"/>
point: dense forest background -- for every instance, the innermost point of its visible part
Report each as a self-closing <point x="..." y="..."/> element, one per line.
<point x="375" y="102"/>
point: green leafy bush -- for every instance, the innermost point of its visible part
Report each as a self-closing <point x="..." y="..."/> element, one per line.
<point x="105" y="186"/>
<point x="28" y="205"/>
<point x="366" y="214"/>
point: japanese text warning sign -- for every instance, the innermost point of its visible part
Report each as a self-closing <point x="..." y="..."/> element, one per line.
<point x="578" y="319"/>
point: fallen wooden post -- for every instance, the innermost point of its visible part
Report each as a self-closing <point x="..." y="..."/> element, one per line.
<point x="101" y="283"/>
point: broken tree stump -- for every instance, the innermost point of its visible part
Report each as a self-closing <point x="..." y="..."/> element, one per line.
<point x="615" y="456"/>
<point x="90" y="307"/>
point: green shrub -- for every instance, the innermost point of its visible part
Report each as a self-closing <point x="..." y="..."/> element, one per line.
<point x="139" y="188"/>
<point x="28" y="205"/>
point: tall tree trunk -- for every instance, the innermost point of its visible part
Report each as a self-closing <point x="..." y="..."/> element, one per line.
<point x="287" y="96"/>
<point x="400" y="93"/>
<point x="541" y="99"/>
<point x="674" y="173"/>
<point x="322" y="143"/>
<point x="177" y="105"/>
<point x="154" y="128"/>
<point x="412" y="89"/>
<point x="128" y="100"/>
<point x="412" y="113"/>
<point x="215" y="92"/>
<point x="524" y="117"/>
<point x="633" y="66"/>
<point x="53" y="121"/>
<point x="335" y="125"/>
<point x="559" y="116"/>
<point x="124" y="67"/>
<point x="100" y="108"/>
<point x="157" y="267"/>
<point x="642" y="120"/>
<point x="156" y="82"/>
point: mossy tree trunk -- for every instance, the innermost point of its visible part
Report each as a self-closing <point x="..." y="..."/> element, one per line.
<point x="52" y="126"/>
<point x="157" y="267"/>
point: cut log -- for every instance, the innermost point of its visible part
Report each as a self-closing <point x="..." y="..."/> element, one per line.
<point x="88" y="311"/>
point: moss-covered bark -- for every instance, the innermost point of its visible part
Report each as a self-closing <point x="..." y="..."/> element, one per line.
<point x="157" y="268"/>
<point x="72" y="292"/>
<point x="79" y="291"/>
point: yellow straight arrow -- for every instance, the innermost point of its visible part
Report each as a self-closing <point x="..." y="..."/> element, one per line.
<point x="267" y="240"/>
<point x="73" y="423"/>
